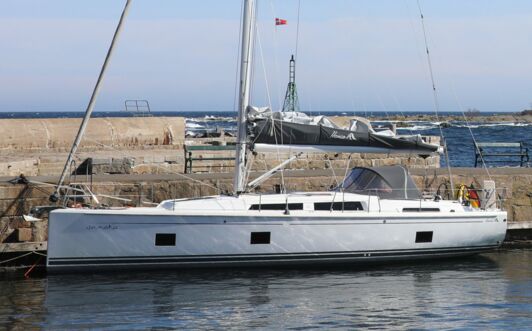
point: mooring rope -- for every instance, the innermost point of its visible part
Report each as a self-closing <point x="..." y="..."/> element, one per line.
<point x="21" y="256"/>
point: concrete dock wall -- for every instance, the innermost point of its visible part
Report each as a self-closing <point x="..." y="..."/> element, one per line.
<point x="35" y="147"/>
<point x="58" y="133"/>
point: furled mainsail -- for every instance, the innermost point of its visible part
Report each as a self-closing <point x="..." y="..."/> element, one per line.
<point x="274" y="131"/>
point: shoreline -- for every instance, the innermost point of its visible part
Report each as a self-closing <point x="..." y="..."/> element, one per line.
<point x="489" y="117"/>
<point x="510" y="118"/>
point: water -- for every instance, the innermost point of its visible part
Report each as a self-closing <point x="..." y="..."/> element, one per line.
<point x="460" y="139"/>
<point x="487" y="292"/>
<point x="458" y="136"/>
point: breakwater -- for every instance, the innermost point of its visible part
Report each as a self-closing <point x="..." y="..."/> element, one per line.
<point x="57" y="134"/>
<point x="39" y="146"/>
<point x="140" y="145"/>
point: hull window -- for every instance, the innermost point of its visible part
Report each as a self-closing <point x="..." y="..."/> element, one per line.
<point x="165" y="239"/>
<point x="424" y="237"/>
<point x="277" y="206"/>
<point x="347" y="205"/>
<point x="260" y="238"/>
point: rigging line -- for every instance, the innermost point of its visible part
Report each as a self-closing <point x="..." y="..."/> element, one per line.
<point x="383" y="105"/>
<point x="276" y="143"/>
<point x="249" y="164"/>
<point x="353" y="105"/>
<point x="264" y="69"/>
<point x="259" y="134"/>
<point x="398" y="105"/>
<point x="346" y="169"/>
<point x="269" y="98"/>
<point x="252" y="47"/>
<point x="157" y="166"/>
<point x="279" y="95"/>
<point x="276" y="60"/>
<point x="277" y="148"/>
<point x="332" y="169"/>
<point x="235" y="97"/>
<point x="297" y="27"/>
<point x="365" y="109"/>
<point x="412" y="26"/>
<point x="470" y="131"/>
<point x="435" y="94"/>
<point x="92" y="101"/>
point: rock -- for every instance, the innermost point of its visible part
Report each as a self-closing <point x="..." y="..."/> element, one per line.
<point x="23" y="234"/>
<point x="40" y="230"/>
<point x="521" y="213"/>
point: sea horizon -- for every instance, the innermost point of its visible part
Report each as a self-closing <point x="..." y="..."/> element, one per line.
<point x="202" y="113"/>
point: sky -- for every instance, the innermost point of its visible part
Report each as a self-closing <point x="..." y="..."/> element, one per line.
<point x="352" y="55"/>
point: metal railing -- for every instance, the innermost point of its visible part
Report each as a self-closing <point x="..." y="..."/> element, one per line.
<point x="145" y="195"/>
<point x="138" y="107"/>
<point x="424" y="197"/>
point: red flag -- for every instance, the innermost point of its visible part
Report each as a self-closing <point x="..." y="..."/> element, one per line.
<point x="280" y="21"/>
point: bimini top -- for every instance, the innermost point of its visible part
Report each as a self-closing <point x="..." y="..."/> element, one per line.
<point x="392" y="182"/>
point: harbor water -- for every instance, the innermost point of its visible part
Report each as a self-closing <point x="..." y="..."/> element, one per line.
<point x="491" y="291"/>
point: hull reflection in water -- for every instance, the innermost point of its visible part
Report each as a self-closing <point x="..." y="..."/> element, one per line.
<point x="476" y="292"/>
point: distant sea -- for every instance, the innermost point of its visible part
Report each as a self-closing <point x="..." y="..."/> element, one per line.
<point x="459" y="136"/>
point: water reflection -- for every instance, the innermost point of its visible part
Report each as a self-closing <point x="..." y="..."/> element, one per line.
<point x="473" y="292"/>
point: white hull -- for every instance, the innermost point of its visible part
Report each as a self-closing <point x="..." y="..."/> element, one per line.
<point x="126" y="238"/>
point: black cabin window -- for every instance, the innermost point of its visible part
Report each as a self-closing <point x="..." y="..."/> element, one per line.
<point x="260" y="238"/>
<point x="165" y="239"/>
<point x="346" y="205"/>
<point x="277" y="206"/>
<point x="424" y="237"/>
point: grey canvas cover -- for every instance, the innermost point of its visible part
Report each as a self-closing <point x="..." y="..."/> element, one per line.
<point x="390" y="182"/>
<point x="276" y="132"/>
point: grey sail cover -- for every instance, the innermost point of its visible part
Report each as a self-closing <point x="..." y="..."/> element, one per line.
<point x="279" y="132"/>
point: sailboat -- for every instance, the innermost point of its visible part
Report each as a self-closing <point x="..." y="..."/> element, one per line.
<point x="374" y="215"/>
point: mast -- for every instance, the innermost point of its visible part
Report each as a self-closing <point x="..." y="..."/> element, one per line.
<point x="55" y="196"/>
<point x="246" y="60"/>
